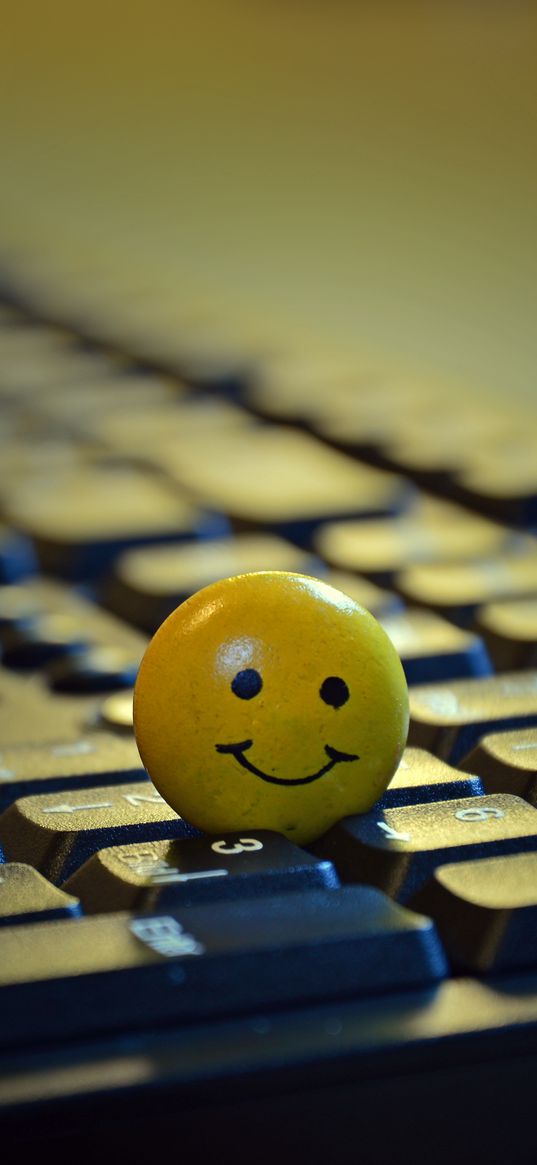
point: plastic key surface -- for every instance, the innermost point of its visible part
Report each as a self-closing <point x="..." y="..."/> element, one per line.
<point x="157" y="875"/>
<point x="510" y="631"/>
<point x="26" y="896"/>
<point x="118" y="970"/>
<point x="422" y="777"/>
<point x="94" y="759"/>
<point x="117" y="506"/>
<point x="507" y="763"/>
<point x="397" y="849"/>
<point x="56" y="832"/>
<point x="459" y="589"/>
<point x="449" y="719"/>
<point x="293" y="481"/>
<point x="486" y="912"/>
<point x="430" y="648"/>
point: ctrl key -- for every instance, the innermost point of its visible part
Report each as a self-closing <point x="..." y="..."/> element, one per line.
<point x="118" y="970"/>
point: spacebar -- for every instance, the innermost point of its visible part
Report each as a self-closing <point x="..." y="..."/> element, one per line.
<point x="121" y="971"/>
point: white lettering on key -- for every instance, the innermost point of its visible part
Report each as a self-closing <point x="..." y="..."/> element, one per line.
<point x="165" y="936"/>
<point x="75" y="748"/>
<point x="75" y="808"/>
<point x="480" y="813"/>
<point x="244" y="844"/>
<point x="136" y="799"/>
<point x="392" y="834"/>
<point x="175" y="876"/>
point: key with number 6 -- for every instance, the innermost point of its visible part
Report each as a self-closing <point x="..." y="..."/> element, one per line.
<point x="398" y="849"/>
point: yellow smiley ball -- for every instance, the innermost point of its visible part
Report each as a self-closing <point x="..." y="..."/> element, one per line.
<point x="270" y="701"/>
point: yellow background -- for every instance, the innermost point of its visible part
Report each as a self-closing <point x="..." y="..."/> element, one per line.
<point x="367" y="169"/>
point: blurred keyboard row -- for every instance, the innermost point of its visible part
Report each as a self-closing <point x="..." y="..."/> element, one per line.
<point x="146" y="452"/>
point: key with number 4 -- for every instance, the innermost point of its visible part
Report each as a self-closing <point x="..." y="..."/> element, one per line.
<point x="398" y="849"/>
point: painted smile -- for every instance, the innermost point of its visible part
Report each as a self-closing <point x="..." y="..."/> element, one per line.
<point x="238" y="751"/>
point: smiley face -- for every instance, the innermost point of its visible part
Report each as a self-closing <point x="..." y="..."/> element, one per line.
<point x="270" y="701"/>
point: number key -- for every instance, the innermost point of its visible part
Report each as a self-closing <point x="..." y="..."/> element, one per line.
<point x="398" y="849"/>
<point x="156" y="875"/>
<point x="57" y="832"/>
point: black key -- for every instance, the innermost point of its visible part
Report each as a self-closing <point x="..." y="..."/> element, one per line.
<point x="431" y="531"/>
<point x="17" y="558"/>
<point x="98" y="669"/>
<point x="159" y="875"/>
<point x="57" y="832"/>
<point x="40" y="618"/>
<point x="449" y="719"/>
<point x="279" y="480"/>
<point x="510" y="632"/>
<point x="459" y="589"/>
<point x="99" y="758"/>
<point x="117" y="506"/>
<point x="397" y="849"/>
<point x="507" y="763"/>
<point x="422" y="777"/>
<point x="112" y="971"/>
<point x="26" y="896"/>
<point x="485" y="911"/>
<point x="430" y="648"/>
<point x="36" y="641"/>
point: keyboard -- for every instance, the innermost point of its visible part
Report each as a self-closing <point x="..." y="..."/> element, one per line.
<point x="372" y="994"/>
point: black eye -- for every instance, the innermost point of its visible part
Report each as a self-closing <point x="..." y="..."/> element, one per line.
<point x="247" y="684"/>
<point x="334" y="691"/>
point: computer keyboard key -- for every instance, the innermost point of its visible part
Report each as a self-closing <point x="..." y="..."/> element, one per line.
<point x="57" y="832"/>
<point x="422" y="777"/>
<point x="38" y="640"/>
<point x="45" y="611"/>
<point x="457" y="590"/>
<point x="17" y="558"/>
<point x="97" y="669"/>
<point x="398" y="849"/>
<point x="26" y="896"/>
<point x="158" y="875"/>
<point x="485" y="912"/>
<point x="282" y="480"/>
<point x="503" y="481"/>
<point x="449" y="719"/>
<point x="149" y="583"/>
<point x="81" y="519"/>
<point x="430" y="531"/>
<point x="430" y="648"/>
<point x="506" y="763"/>
<point x="116" y="971"/>
<point x="509" y="629"/>
<point x="99" y="758"/>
